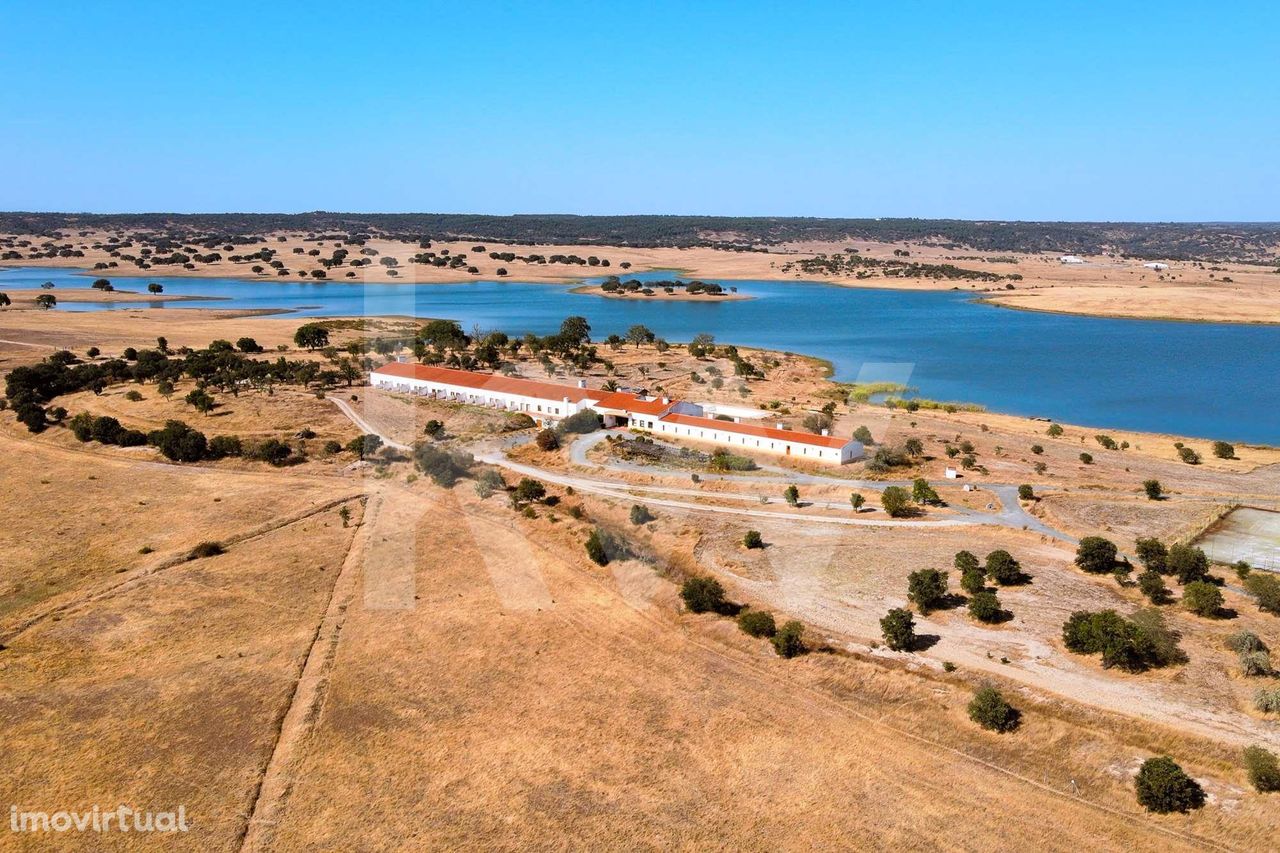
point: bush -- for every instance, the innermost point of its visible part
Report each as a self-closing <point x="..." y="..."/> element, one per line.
<point x="1255" y="664"/>
<point x="365" y="446"/>
<point x="899" y="629"/>
<point x="444" y="468"/>
<point x="1130" y="645"/>
<point x="1267" y="589"/>
<point x="788" y="642"/>
<point x="989" y="710"/>
<point x="985" y="607"/>
<point x="1153" y="489"/>
<point x="757" y="623"/>
<point x="596" y="550"/>
<point x="548" y="440"/>
<point x="927" y="589"/>
<point x="1263" y="769"/>
<point x="527" y="491"/>
<point x="752" y="539"/>
<point x="1202" y="598"/>
<point x="974" y="580"/>
<point x="1153" y="555"/>
<point x="1245" y="641"/>
<point x="703" y="594"/>
<point x="1223" y="450"/>
<point x="1152" y="586"/>
<point x="225" y="445"/>
<point x="581" y="422"/>
<point x="640" y="515"/>
<point x="179" y="442"/>
<point x="1086" y="458"/>
<point x="489" y="481"/>
<point x="131" y="438"/>
<point x="1096" y="555"/>
<point x="1188" y="563"/>
<point x="1003" y="569"/>
<point x="273" y="451"/>
<point x="331" y="447"/>
<point x="1163" y="787"/>
<point x="107" y="430"/>
<point x="206" y="549"/>
<point x="517" y="421"/>
<point x="435" y="429"/>
<point x="132" y="396"/>
<point x="791" y="495"/>
<point x="964" y="561"/>
<point x="1026" y="493"/>
<point x="1189" y="456"/>
<point x="1267" y="700"/>
<point x="896" y="501"/>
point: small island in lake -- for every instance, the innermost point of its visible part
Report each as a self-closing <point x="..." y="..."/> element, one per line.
<point x="672" y="290"/>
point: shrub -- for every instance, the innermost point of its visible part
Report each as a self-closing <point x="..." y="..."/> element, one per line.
<point x="1026" y="493"/>
<point x="964" y="561"/>
<point x="434" y="429"/>
<point x="1163" y="787"/>
<point x="581" y="422"/>
<point x="106" y="430"/>
<point x="757" y="623"/>
<point x="179" y="442"/>
<point x="273" y="451"/>
<point x="640" y="514"/>
<point x="1053" y="431"/>
<point x="596" y="550"/>
<point x="1153" y="555"/>
<point x="1086" y="458"/>
<point x="444" y="468"/>
<point x="1153" y="489"/>
<point x="548" y="440"/>
<point x="927" y="589"/>
<point x="703" y="594"/>
<point x="331" y="447"/>
<point x="132" y="396"/>
<point x="1267" y="700"/>
<point x="1003" y="569"/>
<point x="226" y="445"/>
<point x="896" y="501"/>
<point x="489" y="481"/>
<point x="752" y="539"/>
<point x="131" y="438"/>
<point x="1245" y="641"/>
<point x="788" y="642"/>
<point x="791" y="495"/>
<point x="856" y="501"/>
<point x="1124" y="644"/>
<point x="899" y="629"/>
<point x="1255" y="664"/>
<point x="989" y="710"/>
<point x="1223" y="450"/>
<point x="1202" y="598"/>
<point x="1189" y="456"/>
<point x="1152" y="586"/>
<point x="527" y="491"/>
<point x="1267" y="589"/>
<point x="1096" y="555"/>
<point x="1263" y="769"/>
<point x="206" y="549"/>
<point x="365" y="446"/>
<point x="985" y="607"/>
<point x="1188" y="563"/>
<point x="517" y="421"/>
<point x="974" y="580"/>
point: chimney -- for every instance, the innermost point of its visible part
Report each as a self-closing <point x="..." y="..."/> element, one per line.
<point x="737" y="420"/>
<point x="582" y="383"/>
<point x="781" y="425"/>
<point x="564" y="399"/>
<point x="666" y="401"/>
<point x="826" y="432"/>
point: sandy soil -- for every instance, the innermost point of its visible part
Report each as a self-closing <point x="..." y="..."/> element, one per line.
<point x="1102" y="286"/>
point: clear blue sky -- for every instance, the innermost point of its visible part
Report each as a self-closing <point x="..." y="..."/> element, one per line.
<point x="1019" y="110"/>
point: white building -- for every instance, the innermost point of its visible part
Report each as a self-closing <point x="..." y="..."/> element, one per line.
<point x="1070" y="259"/>
<point x="548" y="403"/>
<point x="1155" y="265"/>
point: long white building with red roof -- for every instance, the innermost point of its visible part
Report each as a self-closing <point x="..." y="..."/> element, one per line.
<point x="548" y="403"/>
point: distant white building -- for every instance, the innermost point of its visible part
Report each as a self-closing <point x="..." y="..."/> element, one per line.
<point x="1156" y="266"/>
<point x="1070" y="259"/>
<point x="548" y="403"/>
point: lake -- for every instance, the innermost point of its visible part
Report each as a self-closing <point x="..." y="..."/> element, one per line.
<point x="1217" y="381"/>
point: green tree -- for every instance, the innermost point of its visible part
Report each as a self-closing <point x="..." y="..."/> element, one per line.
<point x="312" y="336"/>
<point x="547" y="440"/>
<point x="1096" y="555"/>
<point x="1202" y="598"/>
<point x="575" y="330"/>
<point x="792" y="495"/>
<point x="1153" y="555"/>
<point x="596" y="549"/>
<point x="45" y="301"/>
<point x="639" y="335"/>
<point x="1003" y="568"/>
<point x="1086" y="458"/>
<point x="757" y="623"/>
<point x="896" y="501"/>
<point x="1153" y="489"/>
<point x="703" y="594"/>
<point x="1188" y="563"/>
<point x="927" y="589"/>
<point x="914" y="447"/>
<point x="899" y="629"/>
<point x="1163" y="787"/>
<point x="985" y="606"/>
<point x="1026" y="493"/>
<point x="640" y="514"/>
<point x="856" y="500"/>
<point x="1152" y="586"/>
<point x="200" y="400"/>
<point x="1263" y="769"/>
<point x="788" y="642"/>
<point x="751" y="539"/>
<point x="1054" y="431"/>
<point x="153" y="287"/>
<point x="1266" y="588"/>
<point x="923" y="493"/>
<point x="990" y="710"/>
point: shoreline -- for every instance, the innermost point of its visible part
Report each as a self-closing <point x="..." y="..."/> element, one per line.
<point x="594" y="290"/>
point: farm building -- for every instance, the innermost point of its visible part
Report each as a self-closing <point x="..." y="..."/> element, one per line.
<point x="548" y="403"/>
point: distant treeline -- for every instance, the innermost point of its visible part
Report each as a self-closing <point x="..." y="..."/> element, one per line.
<point x="1242" y="242"/>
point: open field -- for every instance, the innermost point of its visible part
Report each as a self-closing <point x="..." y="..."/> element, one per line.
<point x="496" y="688"/>
<point x="1104" y="285"/>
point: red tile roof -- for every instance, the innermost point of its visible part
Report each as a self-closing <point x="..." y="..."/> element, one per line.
<point x="487" y="382"/>
<point x="759" y="431"/>
<point x="623" y="401"/>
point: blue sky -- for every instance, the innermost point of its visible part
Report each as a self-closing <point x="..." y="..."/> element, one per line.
<point x="1147" y="111"/>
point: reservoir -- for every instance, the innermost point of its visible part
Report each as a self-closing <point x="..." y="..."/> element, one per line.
<point x="1208" y="380"/>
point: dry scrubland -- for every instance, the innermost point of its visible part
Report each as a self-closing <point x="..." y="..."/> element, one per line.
<point x="1103" y="286"/>
<point x="446" y="671"/>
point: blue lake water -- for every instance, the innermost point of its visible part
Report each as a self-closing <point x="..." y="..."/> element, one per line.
<point x="1209" y="380"/>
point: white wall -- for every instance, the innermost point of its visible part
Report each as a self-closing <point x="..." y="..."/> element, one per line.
<point x="538" y="408"/>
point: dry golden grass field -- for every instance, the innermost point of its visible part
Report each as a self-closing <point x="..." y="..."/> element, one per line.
<point x="376" y="662"/>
